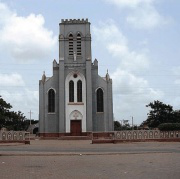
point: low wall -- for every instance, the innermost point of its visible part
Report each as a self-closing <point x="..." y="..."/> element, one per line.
<point x="103" y="135"/>
<point x="14" y="136"/>
<point x="145" y="134"/>
<point x="136" y="136"/>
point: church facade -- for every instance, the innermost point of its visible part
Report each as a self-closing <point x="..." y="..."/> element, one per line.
<point x="75" y="100"/>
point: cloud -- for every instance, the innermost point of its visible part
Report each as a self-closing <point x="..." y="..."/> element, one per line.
<point x="131" y="95"/>
<point x="142" y="14"/>
<point x="131" y="92"/>
<point x="176" y="72"/>
<point x="146" y="18"/>
<point x="129" y="3"/>
<point x="5" y="13"/>
<point x="26" y="38"/>
<point x="14" y="91"/>
<point x="117" y="46"/>
<point x="177" y="82"/>
<point x="109" y="31"/>
<point x="126" y="83"/>
<point x="11" y="80"/>
<point x="23" y="100"/>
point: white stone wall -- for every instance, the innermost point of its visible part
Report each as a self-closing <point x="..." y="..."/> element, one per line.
<point x="73" y="108"/>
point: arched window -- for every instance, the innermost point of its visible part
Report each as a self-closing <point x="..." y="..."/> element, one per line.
<point x="100" y="100"/>
<point x="79" y="91"/>
<point x="51" y="101"/>
<point x="71" y="91"/>
<point x="70" y="44"/>
<point x="79" y="44"/>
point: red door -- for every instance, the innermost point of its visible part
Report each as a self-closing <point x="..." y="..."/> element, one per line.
<point x="76" y="127"/>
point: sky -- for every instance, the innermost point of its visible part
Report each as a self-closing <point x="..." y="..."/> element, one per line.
<point x="138" y="41"/>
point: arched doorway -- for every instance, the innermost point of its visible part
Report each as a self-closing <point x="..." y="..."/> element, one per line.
<point x="76" y="123"/>
<point x="76" y="128"/>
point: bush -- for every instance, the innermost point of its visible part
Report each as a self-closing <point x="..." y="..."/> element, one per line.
<point x="117" y="126"/>
<point x="169" y="127"/>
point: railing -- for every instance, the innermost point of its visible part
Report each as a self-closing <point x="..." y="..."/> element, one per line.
<point x="14" y="135"/>
<point x="145" y="134"/>
<point x="138" y="135"/>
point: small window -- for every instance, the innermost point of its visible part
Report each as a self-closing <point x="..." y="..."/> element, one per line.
<point x="78" y="44"/>
<point x="79" y="91"/>
<point x="71" y="91"/>
<point x="100" y="100"/>
<point x="71" y="45"/>
<point x="51" y="101"/>
<point x="75" y="75"/>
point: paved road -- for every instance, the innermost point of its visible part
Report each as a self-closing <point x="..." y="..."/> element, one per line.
<point x="130" y="166"/>
<point x="56" y="159"/>
<point x="61" y="146"/>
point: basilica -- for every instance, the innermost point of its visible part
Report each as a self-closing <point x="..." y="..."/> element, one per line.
<point x="75" y="100"/>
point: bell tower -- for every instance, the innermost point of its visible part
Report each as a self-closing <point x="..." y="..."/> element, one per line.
<point x="74" y="40"/>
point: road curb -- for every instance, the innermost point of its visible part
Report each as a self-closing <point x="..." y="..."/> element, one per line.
<point x="80" y="154"/>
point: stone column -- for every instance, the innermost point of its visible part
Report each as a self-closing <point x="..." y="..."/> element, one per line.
<point x="88" y="96"/>
<point x="61" y="97"/>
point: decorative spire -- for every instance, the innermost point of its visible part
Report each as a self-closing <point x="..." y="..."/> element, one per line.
<point x="107" y="76"/>
<point x="95" y="62"/>
<point x="43" y="77"/>
<point x="55" y="63"/>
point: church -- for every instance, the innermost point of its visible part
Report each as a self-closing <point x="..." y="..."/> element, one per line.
<point x="75" y="101"/>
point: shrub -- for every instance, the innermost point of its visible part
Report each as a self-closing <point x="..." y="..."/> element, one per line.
<point x="169" y="127"/>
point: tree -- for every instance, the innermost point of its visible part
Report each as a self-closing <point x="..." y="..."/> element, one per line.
<point x="4" y="109"/>
<point x="169" y="127"/>
<point x="117" y="126"/>
<point x="176" y="116"/>
<point x="10" y="119"/>
<point x="161" y="113"/>
<point x="126" y="127"/>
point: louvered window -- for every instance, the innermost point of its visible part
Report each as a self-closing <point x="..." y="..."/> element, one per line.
<point x="71" y="45"/>
<point x="78" y="44"/>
